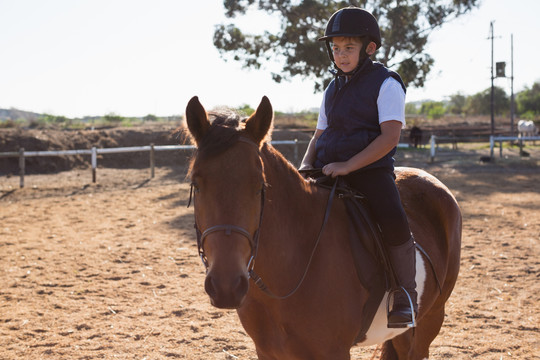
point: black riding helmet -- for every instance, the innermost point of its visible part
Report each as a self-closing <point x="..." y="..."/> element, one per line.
<point x="351" y="22"/>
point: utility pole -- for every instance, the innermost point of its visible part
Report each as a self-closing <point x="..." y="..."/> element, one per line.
<point x="512" y="102"/>
<point x="492" y="103"/>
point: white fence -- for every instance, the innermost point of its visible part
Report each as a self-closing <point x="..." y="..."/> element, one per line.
<point x="93" y="152"/>
<point x="492" y="140"/>
<point x="500" y="139"/>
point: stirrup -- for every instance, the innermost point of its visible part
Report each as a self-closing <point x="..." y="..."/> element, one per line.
<point x="407" y="324"/>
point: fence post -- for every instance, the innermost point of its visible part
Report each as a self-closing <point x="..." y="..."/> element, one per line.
<point x="296" y="152"/>
<point x="94" y="163"/>
<point x="432" y="147"/>
<point x="152" y="161"/>
<point x="21" y="167"/>
<point x="491" y="145"/>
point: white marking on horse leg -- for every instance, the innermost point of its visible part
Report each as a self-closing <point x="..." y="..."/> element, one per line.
<point x="379" y="332"/>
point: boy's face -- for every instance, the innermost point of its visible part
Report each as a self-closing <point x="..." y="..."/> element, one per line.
<point x="346" y="52"/>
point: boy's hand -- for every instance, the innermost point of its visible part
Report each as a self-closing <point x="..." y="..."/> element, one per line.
<point x="336" y="169"/>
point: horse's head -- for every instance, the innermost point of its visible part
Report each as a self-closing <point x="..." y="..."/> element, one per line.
<point x="228" y="187"/>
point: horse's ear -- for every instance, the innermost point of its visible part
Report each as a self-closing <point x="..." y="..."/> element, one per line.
<point x="197" y="119"/>
<point x="259" y="124"/>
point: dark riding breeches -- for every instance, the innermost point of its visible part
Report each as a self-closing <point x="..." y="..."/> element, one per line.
<point x="379" y="186"/>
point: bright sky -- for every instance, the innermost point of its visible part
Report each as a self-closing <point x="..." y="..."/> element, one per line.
<point x="139" y="57"/>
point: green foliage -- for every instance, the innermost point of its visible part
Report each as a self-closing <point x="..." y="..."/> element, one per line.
<point x="433" y="109"/>
<point x="7" y="124"/>
<point x="245" y="110"/>
<point x="14" y="118"/>
<point x="528" y="102"/>
<point x="456" y="104"/>
<point x="150" y="117"/>
<point x="55" y="119"/>
<point x="47" y="120"/>
<point x="301" y="120"/>
<point x="112" y="118"/>
<point x="480" y="103"/>
<point x="411" y="109"/>
<point x="405" y="27"/>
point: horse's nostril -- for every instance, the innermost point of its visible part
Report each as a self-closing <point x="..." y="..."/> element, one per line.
<point x="242" y="285"/>
<point x="209" y="286"/>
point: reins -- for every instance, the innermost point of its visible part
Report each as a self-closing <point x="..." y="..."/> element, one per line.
<point x="260" y="283"/>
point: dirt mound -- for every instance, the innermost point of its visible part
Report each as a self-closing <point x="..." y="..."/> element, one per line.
<point x="42" y="140"/>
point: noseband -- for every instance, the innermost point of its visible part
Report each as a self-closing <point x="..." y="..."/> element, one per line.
<point x="229" y="229"/>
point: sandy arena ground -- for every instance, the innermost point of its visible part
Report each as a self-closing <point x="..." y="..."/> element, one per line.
<point x="110" y="270"/>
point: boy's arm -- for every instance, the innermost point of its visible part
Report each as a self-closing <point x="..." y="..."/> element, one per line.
<point x="389" y="138"/>
<point x="309" y="156"/>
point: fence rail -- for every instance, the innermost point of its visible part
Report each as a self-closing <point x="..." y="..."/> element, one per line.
<point x="434" y="140"/>
<point x="94" y="152"/>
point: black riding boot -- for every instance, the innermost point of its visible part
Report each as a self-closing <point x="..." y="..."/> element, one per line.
<point x="403" y="260"/>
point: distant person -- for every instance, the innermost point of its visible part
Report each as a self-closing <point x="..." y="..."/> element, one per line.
<point x="358" y="130"/>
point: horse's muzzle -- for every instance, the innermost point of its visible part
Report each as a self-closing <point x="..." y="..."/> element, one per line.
<point x="226" y="293"/>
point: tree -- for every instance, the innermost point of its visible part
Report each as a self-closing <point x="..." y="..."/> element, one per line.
<point x="456" y="104"/>
<point x="113" y="118"/>
<point x="411" y="108"/>
<point x="245" y="110"/>
<point x="405" y="27"/>
<point x="433" y="109"/>
<point x="528" y="101"/>
<point x="150" y="118"/>
<point x="480" y="103"/>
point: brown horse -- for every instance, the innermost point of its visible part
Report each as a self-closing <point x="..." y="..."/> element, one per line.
<point x="255" y="212"/>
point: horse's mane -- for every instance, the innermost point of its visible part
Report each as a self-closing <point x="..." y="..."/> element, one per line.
<point x="227" y="126"/>
<point x="225" y="129"/>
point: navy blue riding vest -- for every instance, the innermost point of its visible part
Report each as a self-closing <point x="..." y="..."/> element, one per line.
<point x="353" y="116"/>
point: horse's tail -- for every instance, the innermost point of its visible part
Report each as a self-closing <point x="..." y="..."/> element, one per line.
<point x="439" y="207"/>
<point x="452" y="230"/>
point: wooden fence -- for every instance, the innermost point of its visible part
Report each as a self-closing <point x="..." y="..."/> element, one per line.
<point x="93" y="152"/>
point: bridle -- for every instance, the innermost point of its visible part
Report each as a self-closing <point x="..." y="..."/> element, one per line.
<point x="229" y="229"/>
<point x="254" y="240"/>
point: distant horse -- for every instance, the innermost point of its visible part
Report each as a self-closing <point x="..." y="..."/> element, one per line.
<point x="255" y="213"/>
<point x="526" y="128"/>
<point x="415" y="136"/>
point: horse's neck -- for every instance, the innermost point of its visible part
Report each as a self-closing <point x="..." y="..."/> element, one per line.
<point x="293" y="214"/>
<point x="294" y="201"/>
